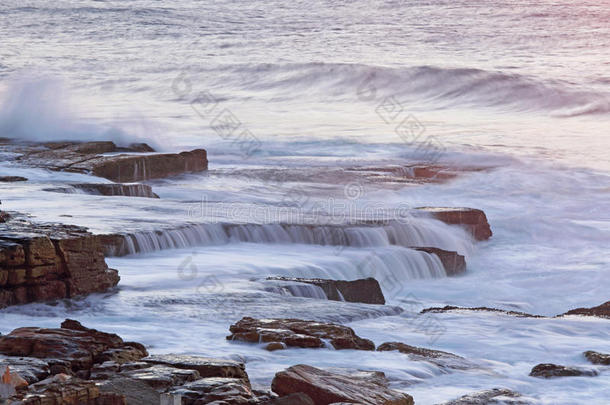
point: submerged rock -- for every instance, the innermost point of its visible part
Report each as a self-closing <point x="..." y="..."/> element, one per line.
<point x="453" y="262"/>
<point x="438" y="357"/>
<point x="473" y="220"/>
<point x="12" y="179"/>
<point x="602" y="311"/>
<point x="366" y="291"/>
<point x="597" y="358"/>
<point x="494" y="396"/>
<point x="298" y="333"/>
<point x="450" y="308"/>
<point x="325" y="387"/>
<point x="553" y="370"/>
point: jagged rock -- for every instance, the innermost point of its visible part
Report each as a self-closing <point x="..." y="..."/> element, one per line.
<point x="162" y="377"/>
<point x="438" y="357"/>
<point x="553" y="370"/>
<point x="602" y="311"/>
<point x="207" y="367"/>
<point x="494" y="396"/>
<point x="29" y="368"/>
<point x="453" y="262"/>
<point x="449" y="308"/>
<point x="366" y="291"/>
<point x="12" y="179"/>
<point x="325" y="387"/>
<point x="108" y="189"/>
<point x="72" y="342"/>
<point x="597" y="358"/>
<point x="473" y="220"/>
<point x="41" y="262"/>
<point x="297" y="333"/>
<point x="208" y="390"/>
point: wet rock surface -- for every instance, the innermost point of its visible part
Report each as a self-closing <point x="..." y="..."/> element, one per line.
<point x="297" y="333"/>
<point x="453" y="262"/>
<point x="548" y="370"/>
<point x="597" y="357"/>
<point x="494" y="396"/>
<point x="366" y="291"/>
<point x="206" y="367"/>
<point x="12" y="179"/>
<point x="438" y="357"/>
<point x="326" y="387"/>
<point x="471" y="219"/>
<point x="602" y="311"/>
<point x="40" y="262"/>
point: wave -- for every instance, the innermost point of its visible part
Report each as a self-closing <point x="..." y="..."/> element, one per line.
<point x="41" y="109"/>
<point x="442" y="87"/>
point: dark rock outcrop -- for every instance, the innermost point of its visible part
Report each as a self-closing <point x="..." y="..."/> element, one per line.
<point x="108" y="189"/>
<point x="449" y="308"/>
<point x="473" y="220"/>
<point x="293" y="399"/>
<point x="325" y="387"/>
<point x="602" y="311"/>
<point x="206" y="367"/>
<point x="553" y="370"/>
<point x="297" y="333"/>
<point x="499" y="396"/>
<point x="597" y="357"/>
<point x="366" y="291"/>
<point x="12" y="179"/>
<point x="41" y="262"/>
<point x="453" y="262"/>
<point x="437" y="357"/>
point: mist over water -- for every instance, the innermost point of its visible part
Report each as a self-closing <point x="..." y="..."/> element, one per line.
<point x="517" y="90"/>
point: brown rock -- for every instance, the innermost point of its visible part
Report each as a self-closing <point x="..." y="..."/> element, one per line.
<point x="597" y="358"/>
<point x="162" y="377"/>
<point x="293" y="399"/>
<point x="474" y="220"/>
<point x="325" y="387"/>
<point x="72" y="342"/>
<point x="12" y="179"/>
<point x="499" y="396"/>
<point x="453" y="262"/>
<point x="108" y="189"/>
<point x="602" y="311"/>
<point x="273" y="346"/>
<point x="135" y="392"/>
<point x="450" y="308"/>
<point x="209" y="390"/>
<point x="554" y="370"/>
<point x="366" y="291"/>
<point x="298" y="333"/>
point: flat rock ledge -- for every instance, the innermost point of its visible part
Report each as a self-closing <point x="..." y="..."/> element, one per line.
<point x="597" y="357"/>
<point x="547" y="370"/>
<point x="366" y="291"/>
<point x="436" y="357"/>
<point x="601" y="311"/>
<point x="105" y="159"/>
<point x="471" y="219"/>
<point x="326" y="387"/>
<point x="108" y="189"/>
<point x="499" y="396"/>
<point x="40" y="262"/>
<point x="279" y="333"/>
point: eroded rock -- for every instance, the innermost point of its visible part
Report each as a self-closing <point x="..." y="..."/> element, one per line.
<point x="451" y="308"/>
<point x="602" y="311"/>
<point x="298" y="333"/>
<point x="207" y="367"/>
<point x="207" y="390"/>
<point x="500" y="396"/>
<point x="108" y="189"/>
<point x="325" y="387"/>
<point x="473" y="220"/>
<point x="453" y="262"/>
<point x="438" y="357"/>
<point x="366" y="291"/>
<point x="547" y="370"/>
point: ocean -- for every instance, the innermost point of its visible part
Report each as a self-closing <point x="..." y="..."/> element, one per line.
<point x="287" y="96"/>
